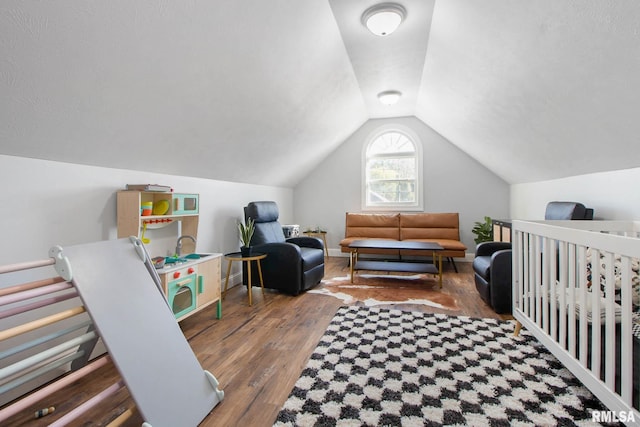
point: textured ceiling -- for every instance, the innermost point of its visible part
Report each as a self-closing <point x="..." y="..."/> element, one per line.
<point x="536" y="90"/>
<point x="261" y="92"/>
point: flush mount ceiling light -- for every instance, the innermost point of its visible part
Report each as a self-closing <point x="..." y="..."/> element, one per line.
<point x="384" y="18"/>
<point x="389" y="97"/>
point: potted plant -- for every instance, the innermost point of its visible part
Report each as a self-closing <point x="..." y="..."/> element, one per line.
<point x="483" y="230"/>
<point x="246" y="233"/>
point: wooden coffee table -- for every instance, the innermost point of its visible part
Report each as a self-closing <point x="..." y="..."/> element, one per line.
<point x="403" y="266"/>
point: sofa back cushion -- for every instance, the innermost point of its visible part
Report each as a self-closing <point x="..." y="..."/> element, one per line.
<point x="382" y="226"/>
<point x="430" y="226"/>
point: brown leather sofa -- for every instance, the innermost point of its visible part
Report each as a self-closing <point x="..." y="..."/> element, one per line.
<point x="442" y="228"/>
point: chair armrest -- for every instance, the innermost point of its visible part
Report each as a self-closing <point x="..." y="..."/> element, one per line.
<point x="501" y="262"/>
<point x="501" y="281"/>
<point x="307" y="242"/>
<point x="284" y="249"/>
<point x="489" y="248"/>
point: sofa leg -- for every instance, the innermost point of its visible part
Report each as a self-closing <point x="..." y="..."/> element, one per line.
<point x="455" y="268"/>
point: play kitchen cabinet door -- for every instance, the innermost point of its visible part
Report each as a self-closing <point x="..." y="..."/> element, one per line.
<point x="135" y="208"/>
<point x="208" y="290"/>
<point x="193" y="287"/>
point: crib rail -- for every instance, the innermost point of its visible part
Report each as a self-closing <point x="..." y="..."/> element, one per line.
<point x="568" y="293"/>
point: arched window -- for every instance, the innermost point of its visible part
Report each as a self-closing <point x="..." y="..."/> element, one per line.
<point x="392" y="171"/>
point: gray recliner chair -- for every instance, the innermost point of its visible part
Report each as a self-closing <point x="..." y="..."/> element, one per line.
<point x="292" y="265"/>
<point x="567" y="211"/>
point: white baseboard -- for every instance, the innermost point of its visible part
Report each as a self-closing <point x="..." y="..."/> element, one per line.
<point x="234" y="280"/>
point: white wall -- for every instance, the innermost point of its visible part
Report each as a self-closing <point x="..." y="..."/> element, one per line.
<point x="613" y="195"/>
<point x="453" y="182"/>
<point x="50" y="203"/>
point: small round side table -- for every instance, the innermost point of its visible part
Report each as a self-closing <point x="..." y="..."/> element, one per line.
<point x="237" y="256"/>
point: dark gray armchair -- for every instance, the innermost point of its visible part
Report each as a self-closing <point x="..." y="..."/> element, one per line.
<point x="492" y="264"/>
<point x="567" y="211"/>
<point x="292" y="265"/>
<point x="492" y="268"/>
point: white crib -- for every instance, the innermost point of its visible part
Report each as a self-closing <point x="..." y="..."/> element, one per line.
<point x="576" y="288"/>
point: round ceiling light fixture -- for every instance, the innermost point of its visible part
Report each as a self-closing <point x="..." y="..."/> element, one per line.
<point x="384" y="18"/>
<point x="389" y="97"/>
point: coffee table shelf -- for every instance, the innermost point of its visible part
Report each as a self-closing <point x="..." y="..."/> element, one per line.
<point x="399" y="266"/>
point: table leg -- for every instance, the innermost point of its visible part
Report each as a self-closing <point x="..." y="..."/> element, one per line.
<point x="249" y="281"/>
<point x="440" y="269"/>
<point x="351" y="262"/>
<point x="219" y="311"/>
<point x="260" y="275"/>
<point x="326" y="249"/>
<point x="226" y="282"/>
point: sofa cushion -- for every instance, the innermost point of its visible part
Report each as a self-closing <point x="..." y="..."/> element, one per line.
<point x="430" y="226"/>
<point x="373" y="226"/>
<point x="447" y="244"/>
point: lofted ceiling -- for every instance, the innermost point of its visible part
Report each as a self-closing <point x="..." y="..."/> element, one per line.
<point x="261" y="92"/>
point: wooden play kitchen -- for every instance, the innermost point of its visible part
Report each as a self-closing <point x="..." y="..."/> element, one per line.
<point x="191" y="281"/>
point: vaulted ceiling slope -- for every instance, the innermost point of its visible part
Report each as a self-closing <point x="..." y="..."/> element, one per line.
<point x="536" y="90"/>
<point x="261" y="91"/>
<point x="244" y="91"/>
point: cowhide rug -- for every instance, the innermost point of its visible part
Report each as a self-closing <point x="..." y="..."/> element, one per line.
<point x="377" y="289"/>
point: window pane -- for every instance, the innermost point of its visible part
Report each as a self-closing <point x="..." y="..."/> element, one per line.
<point x="391" y="142"/>
<point x="391" y="168"/>
<point x="391" y="171"/>
<point x="391" y="191"/>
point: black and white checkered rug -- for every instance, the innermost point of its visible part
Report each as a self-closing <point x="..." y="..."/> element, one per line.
<point x="377" y="367"/>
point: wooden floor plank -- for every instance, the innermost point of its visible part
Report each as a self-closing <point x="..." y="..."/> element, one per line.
<point x="256" y="353"/>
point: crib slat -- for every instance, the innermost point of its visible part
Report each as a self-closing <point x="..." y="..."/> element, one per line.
<point x="553" y="293"/>
<point x="610" y="323"/>
<point x="572" y="300"/>
<point x="536" y="274"/>
<point x="596" y="344"/>
<point x="562" y="295"/>
<point x="546" y="288"/>
<point x="626" y="339"/>
<point x="583" y="324"/>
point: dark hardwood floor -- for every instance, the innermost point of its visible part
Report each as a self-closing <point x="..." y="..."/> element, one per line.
<point x="256" y="353"/>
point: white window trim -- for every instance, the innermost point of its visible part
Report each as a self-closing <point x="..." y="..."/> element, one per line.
<point x="413" y="137"/>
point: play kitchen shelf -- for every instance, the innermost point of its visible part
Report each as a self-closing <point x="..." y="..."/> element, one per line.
<point x="151" y="209"/>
